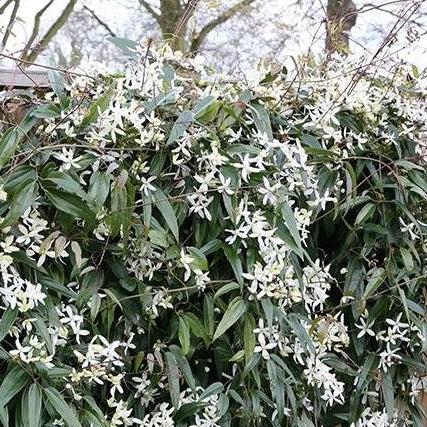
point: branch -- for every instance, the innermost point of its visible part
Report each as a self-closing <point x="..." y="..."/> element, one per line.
<point x="149" y="9"/>
<point x="9" y="27"/>
<point x="36" y="28"/>
<point x="200" y="37"/>
<point x="188" y="13"/>
<point x="100" y="21"/>
<point x="4" y="7"/>
<point x="51" y="33"/>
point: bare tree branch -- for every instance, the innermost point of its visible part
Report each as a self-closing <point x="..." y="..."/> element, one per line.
<point x="188" y="13"/>
<point x="200" y="37"/>
<point x="150" y="10"/>
<point x="4" y="7"/>
<point x="100" y="21"/>
<point x="36" y="28"/>
<point x="51" y="33"/>
<point x="9" y="27"/>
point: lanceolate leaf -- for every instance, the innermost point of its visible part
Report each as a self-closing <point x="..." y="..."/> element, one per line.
<point x="21" y="201"/>
<point x="233" y="313"/>
<point x="31" y="410"/>
<point x="165" y="208"/>
<point x="69" y="203"/>
<point x="13" y="383"/>
<point x="62" y="407"/>
<point x="291" y="225"/>
<point x="7" y="321"/>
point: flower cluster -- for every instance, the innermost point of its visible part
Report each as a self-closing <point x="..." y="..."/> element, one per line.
<point x="181" y="250"/>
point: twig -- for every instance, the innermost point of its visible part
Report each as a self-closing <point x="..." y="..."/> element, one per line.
<point x="100" y="21"/>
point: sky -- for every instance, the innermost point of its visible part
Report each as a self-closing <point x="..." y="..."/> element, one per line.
<point x="278" y="28"/>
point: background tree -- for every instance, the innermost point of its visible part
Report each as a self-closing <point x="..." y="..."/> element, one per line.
<point x="173" y="17"/>
<point x="340" y="19"/>
<point x="232" y="34"/>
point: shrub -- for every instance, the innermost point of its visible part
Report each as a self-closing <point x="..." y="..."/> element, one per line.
<point x="181" y="250"/>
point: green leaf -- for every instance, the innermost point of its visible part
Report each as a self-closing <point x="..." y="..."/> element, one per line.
<point x="262" y="120"/>
<point x="214" y="388"/>
<point x="19" y="177"/>
<point x="203" y="106"/>
<point x="58" y="85"/>
<point x="291" y="225"/>
<point x="127" y="46"/>
<point x="233" y="313"/>
<point x="165" y="208"/>
<point x="249" y="336"/>
<point x="69" y="203"/>
<point x="21" y="201"/>
<point x="8" y="145"/>
<point x="4" y="417"/>
<point x="199" y="259"/>
<point x="180" y="126"/>
<point x="195" y="325"/>
<point x="189" y="409"/>
<point x="97" y="108"/>
<point x="238" y="357"/>
<point x="66" y="182"/>
<point x="295" y="323"/>
<point x="278" y="390"/>
<point x="365" y="213"/>
<point x="12" y="384"/>
<point x="173" y="377"/>
<point x="229" y="287"/>
<point x="407" y="258"/>
<point x="388" y="393"/>
<point x="376" y="280"/>
<point x="7" y="320"/>
<point x="209" y="315"/>
<point x="31" y="406"/>
<point x="99" y="187"/>
<point x="184" y="336"/>
<point x="235" y="262"/>
<point x="62" y="407"/>
<point x="56" y="286"/>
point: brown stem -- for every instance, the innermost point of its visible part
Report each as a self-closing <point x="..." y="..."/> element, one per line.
<point x="8" y="31"/>
<point x="229" y="13"/>
<point x="51" y="33"/>
<point x="36" y="28"/>
<point x="100" y="21"/>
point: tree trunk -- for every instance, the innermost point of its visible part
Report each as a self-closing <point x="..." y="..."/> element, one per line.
<point x="340" y="19"/>
<point x="171" y="12"/>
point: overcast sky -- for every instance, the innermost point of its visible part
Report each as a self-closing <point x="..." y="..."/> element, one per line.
<point x="279" y="26"/>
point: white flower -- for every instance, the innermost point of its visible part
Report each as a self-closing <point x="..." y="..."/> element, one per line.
<point x="318" y="374"/>
<point x="263" y="347"/>
<point x="7" y="245"/>
<point x="75" y="322"/>
<point x="269" y="191"/>
<point x="242" y="232"/>
<point x="408" y="228"/>
<point x="202" y="279"/>
<point x="186" y="261"/>
<point x="389" y="357"/>
<point x="199" y="203"/>
<point x="25" y="353"/>
<point x="246" y="166"/>
<point x="146" y="185"/>
<point x="365" y="328"/>
<point x="67" y="159"/>
<point x="3" y="194"/>
<point x="225" y="185"/>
